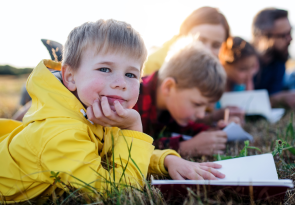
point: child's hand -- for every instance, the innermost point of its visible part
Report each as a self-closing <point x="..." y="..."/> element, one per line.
<point x="238" y="113"/>
<point x="100" y="113"/>
<point x="222" y="124"/>
<point x="205" y="143"/>
<point x="180" y="169"/>
<point x="233" y="112"/>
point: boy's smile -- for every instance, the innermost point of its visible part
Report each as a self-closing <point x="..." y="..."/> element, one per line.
<point x="113" y="98"/>
<point x="113" y="75"/>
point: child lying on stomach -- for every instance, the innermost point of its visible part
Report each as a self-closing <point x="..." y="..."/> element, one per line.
<point x="100" y="73"/>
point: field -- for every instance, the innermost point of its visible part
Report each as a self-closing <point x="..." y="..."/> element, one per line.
<point x="10" y="89"/>
<point x="264" y="133"/>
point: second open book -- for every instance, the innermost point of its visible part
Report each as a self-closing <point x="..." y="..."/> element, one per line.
<point x="255" y="102"/>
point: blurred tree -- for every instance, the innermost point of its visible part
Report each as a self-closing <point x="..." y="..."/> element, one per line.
<point x="9" y="70"/>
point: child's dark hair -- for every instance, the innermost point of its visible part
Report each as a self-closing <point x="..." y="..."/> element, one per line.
<point x="235" y="49"/>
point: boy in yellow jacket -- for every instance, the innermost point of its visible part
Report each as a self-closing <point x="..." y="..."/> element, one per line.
<point x="100" y="73"/>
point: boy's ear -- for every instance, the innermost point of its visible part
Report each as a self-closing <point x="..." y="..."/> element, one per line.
<point x="168" y="85"/>
<point x="68" y="77"/>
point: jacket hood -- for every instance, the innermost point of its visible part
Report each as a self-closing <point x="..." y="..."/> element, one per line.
<point x="50" y="98"/>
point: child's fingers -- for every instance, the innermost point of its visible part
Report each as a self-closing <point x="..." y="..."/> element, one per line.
<point x="97" y="110"/>
<point x="106" y="109"/>
<point x="92" y="118"/>
<point x="215" y="172"/>
<point x="176" y="176"/>
<point x="98" y="117"/>
<point x="220" y="146"/>
<point x="205" y="175"/>
<point x="89" y="113"/>
<point x="221" y="124"/>
<point x="211" y="164"/>
<point x="194" y="175"/>
<point x="119" y="109"/>
<point x="222" y="136"/>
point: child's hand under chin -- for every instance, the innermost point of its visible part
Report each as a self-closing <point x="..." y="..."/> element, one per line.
<point x="180" y="169"/>
<point x="101" y="113"/>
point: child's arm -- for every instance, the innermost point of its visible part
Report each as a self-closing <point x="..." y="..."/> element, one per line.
<point x="74" y="152"/>
<point x="168" y="162"/>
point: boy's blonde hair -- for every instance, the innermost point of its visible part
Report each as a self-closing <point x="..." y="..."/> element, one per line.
<point x="104" y="36"/>
<point x="193" y="66"/>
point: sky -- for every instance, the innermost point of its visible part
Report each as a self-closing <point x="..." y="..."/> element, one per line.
<point x="24" y="23"/>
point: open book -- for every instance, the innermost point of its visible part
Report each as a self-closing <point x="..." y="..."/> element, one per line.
<point x="255" y="102"/>
<point x="233" y="131"/>
<point x="254" y="175"/>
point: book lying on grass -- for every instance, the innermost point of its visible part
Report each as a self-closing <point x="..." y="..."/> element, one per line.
<point x="254" y="176"/>
<point x="233" y="131"/>
<point x="255" y="102"/>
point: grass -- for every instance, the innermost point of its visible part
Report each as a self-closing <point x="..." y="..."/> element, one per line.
<point x="276" y="139"/>
<point x="10" y="89"/>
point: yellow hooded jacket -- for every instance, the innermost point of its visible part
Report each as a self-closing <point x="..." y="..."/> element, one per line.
<point x="55" y="136"/>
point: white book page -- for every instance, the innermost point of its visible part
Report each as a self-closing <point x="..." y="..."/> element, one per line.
<point x="251" y="168"/>
<point x="235" y="132"/>
<point x="254" y="102"/>
<point x="275" y="115"/>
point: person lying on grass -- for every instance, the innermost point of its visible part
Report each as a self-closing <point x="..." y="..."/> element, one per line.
<point x="100" y="74"/>
<point x="174" y="98"/>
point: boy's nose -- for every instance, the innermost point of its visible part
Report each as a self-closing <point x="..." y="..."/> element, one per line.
<point x="119" y="83"/>
<point x="200" y="114"/>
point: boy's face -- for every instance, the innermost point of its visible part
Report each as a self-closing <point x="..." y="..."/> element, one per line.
<point x="186" y="105"/>
<point x="113" y="75"/>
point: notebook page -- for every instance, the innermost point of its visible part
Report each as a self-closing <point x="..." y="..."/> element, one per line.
<point x="254" y="102"/>
<point x="250" y="168"/>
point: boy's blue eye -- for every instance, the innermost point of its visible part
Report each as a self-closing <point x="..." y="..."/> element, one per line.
<point x="130" y="75"/>
<point x="106" y="70"/>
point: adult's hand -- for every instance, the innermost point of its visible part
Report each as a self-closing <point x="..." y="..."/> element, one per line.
<point x="286" y="98"/>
